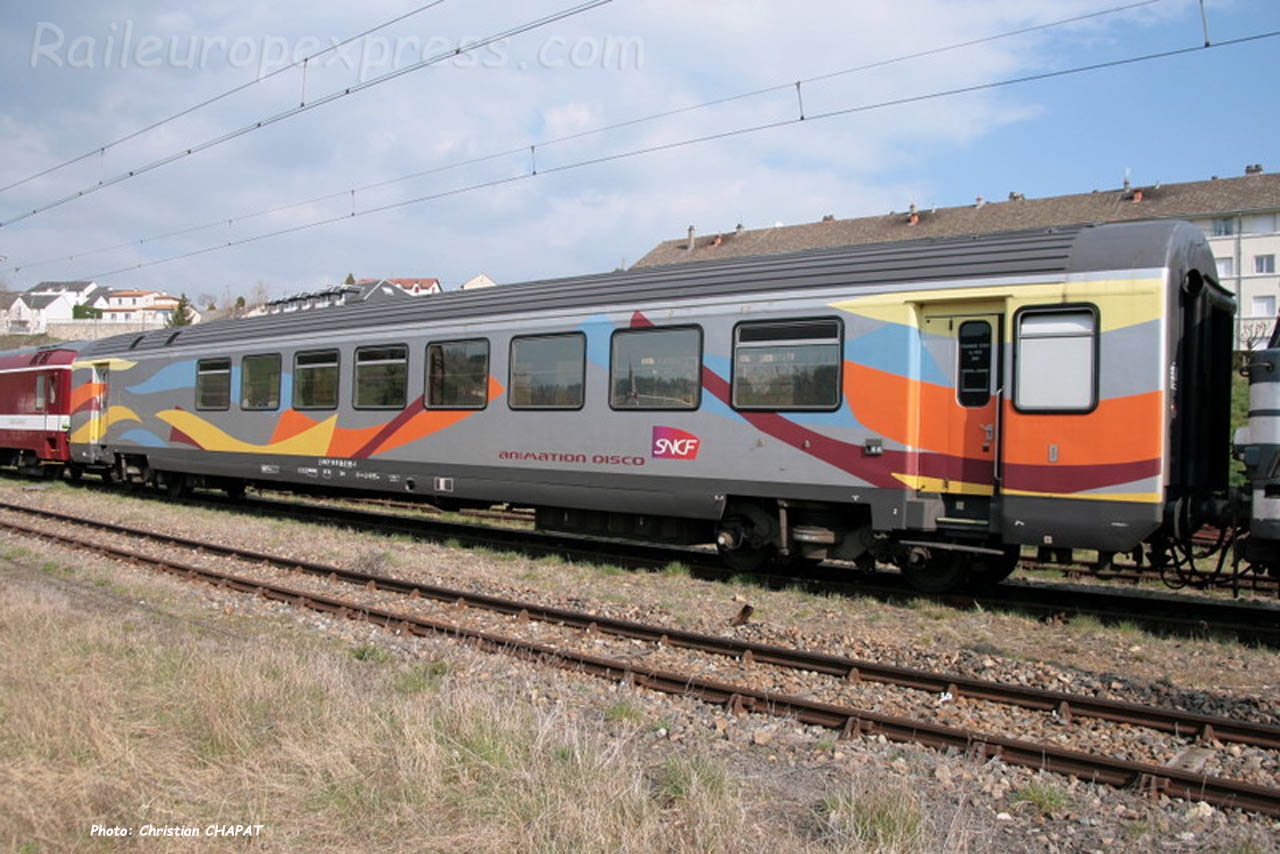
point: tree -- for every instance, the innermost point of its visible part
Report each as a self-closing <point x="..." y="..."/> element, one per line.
<point x="350" y="280"/>
<point x="182" y="314"/>
<point x="239" y="308"/>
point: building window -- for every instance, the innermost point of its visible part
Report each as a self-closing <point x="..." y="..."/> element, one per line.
<point x="787" y="365"/>
<point x="1224" y="227"/>
<point x="1259" y="224"/>
<point x="548" y="371"/>
<point x="382" y="377"/>
<point x="458" y="374"/>
<point x="260" y="382"/>
<point x="315" y="380"/>
<point x="656" y="369"/>
<point x="1055" y="360"/>
<point x="1226" y="267"/>
<point x="213" y="384"/>
<point x="1264" y="264"/>
<point x="1264" y="306"/>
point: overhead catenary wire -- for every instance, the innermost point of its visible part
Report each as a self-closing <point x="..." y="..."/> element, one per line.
<point x="102" y="149"/>
<point x="531" y="147"/>
<point x="308" y="106"/>
<point x="808" y="120"/>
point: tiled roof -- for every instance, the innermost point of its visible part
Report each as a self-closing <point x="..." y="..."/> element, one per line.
<point x="38" y="301"/>
<point x="1195" y="199"/>
<point x="59" y="287"/>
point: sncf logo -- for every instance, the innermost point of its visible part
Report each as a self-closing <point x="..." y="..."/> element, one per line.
<point x="672" y="444"/>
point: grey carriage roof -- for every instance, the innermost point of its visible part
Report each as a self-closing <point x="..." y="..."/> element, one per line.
<point x="1055" y="251"/>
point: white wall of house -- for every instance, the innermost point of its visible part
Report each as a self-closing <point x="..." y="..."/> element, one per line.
<point x="1247" y="249"/>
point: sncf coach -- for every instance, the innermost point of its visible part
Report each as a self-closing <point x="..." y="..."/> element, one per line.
<point x="938" y="403"/>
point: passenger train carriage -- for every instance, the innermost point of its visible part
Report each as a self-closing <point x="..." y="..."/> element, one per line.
<point x="936" y="403"/>
<point x="35" y="406"/>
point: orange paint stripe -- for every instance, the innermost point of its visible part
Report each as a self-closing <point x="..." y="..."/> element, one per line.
<point x="1120" y="430"/>
<point x="85" y="392"/>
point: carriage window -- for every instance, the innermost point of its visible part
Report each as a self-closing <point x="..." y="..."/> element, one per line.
<point x="548" y="372"/>
<point x="260" y="382"/>
<point x="382" y="377"/>
<point x="655" y="369"/>
<point x="213" y="384"/>
<point x="458" y="374"/>
<point x="1055" y="361"/>
<point x="787" y="365"/>
<point x="315" y="380"/>
<point x="41" y="386"/>
<point x="973" y="385"/>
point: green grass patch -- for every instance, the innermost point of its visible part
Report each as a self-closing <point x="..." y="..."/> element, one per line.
<point x="368" y="652"/>
<point x="1044" y="797"/>
<point x="676" y="569"/>
<point x="680" y="779"/>
<point x="624" y="712"/>
<point x="420" y="678"/>
<point x="874" y="819"/>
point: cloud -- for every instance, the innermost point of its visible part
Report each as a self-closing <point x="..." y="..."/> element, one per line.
<point x="610" y="65"/>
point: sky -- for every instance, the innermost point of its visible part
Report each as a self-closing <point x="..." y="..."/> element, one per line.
<point x="78" y="76"/>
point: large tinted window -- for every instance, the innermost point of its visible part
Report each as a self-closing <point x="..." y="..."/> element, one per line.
<point x="260" y="382"/>
<point x="655" y="369"/>
<point x="787" y="365"/>
<point x="1055" y="361"/>
<point x="458" y="374"/>
<point x="547" y="372"/>
<point x="315" y="380"/>
<point x="382" y="377"/>
<point x="213" y="384"/>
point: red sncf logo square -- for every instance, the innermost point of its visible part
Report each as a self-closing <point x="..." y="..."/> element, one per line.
<point x="673" y="444"/>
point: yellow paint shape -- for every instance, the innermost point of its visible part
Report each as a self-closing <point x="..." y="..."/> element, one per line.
<point x="1121" y="303"/>
<point x="937" y="484"/>
<point x="1133" y="497"/>
<point x="98" y="425"/>
<point x="312" y="442"/>
<point x="112" y="364"/>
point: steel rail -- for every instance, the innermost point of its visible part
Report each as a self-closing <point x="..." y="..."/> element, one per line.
<point x="1065" y="705"/>
<point x="1162" y="612"/>
<point x="1222" y="792"/>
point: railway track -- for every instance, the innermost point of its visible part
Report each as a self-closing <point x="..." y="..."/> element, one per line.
<point x="1161" y="612"/>
<point x="848" y="720"/>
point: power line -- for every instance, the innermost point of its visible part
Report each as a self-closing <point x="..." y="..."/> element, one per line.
<point x="101" y="149"/>
<point x="581" y="134"/>
<point x="311" y="105"/>
<point x="911" y="99"/>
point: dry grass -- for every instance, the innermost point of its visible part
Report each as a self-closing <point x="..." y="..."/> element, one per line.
<point x="133" y="719"/>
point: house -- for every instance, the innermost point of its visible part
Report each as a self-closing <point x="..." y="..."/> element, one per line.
<point x="7" y="299"/>
<point x="367" y="290"/>
<point x="1239" y="216"/>
<point x="79" y="292"/>
<point x="149" y="308"/>
<point x="478" y="281"/>
<point x="31" y="314"/>
<point x="415" y="287"/>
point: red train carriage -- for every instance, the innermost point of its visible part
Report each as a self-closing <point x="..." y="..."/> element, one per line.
<point x="35" y="409"/>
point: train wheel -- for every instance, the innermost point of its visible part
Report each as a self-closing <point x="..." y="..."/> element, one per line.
<point x="177" y="485"/>
<point x="940" y="572"/>
<point x="989" y="570"/>
<point x="75" y="473"/>
<point x="234" y="489"/>
<point x="747" y="558"/>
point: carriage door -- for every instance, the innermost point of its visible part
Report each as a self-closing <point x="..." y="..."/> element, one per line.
<point x="98" y="410"/>
<point x="959" y="412"/>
